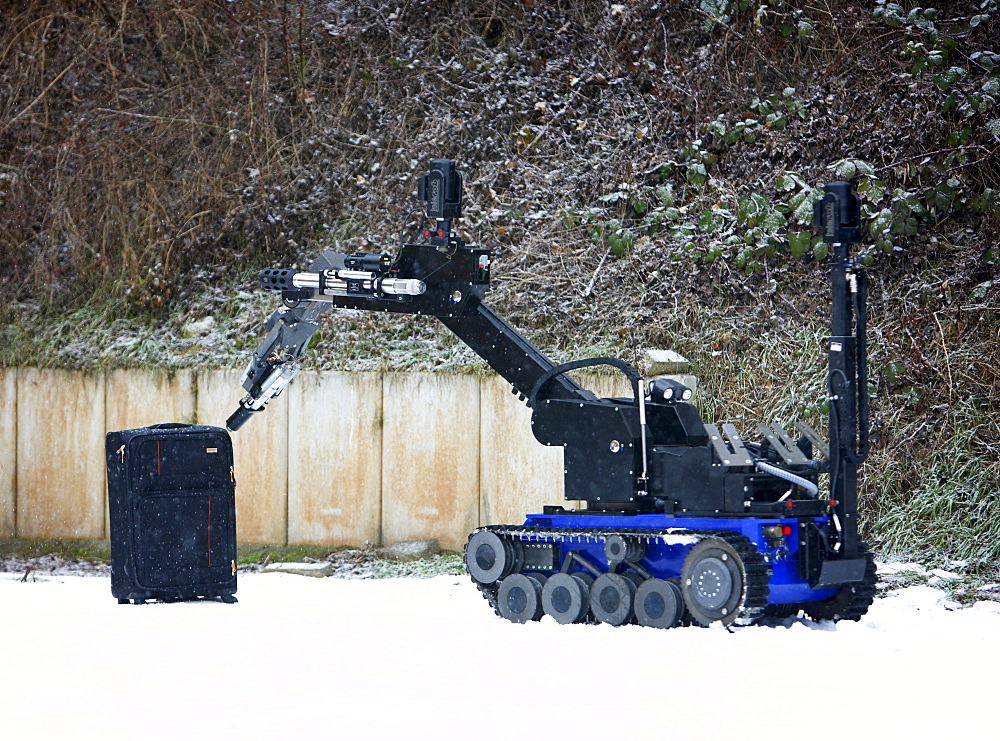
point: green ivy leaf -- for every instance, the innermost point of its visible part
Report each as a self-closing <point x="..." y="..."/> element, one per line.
<point x="750" y="210"/>
<point x="940" y="198"/>
<point x="988" y="59"/>
<point x="664" y="171"/>
<point x="802" y="205"/>
<point x="988" y="201"/>
<point x="798" y="243"/>
<point x="717" y="127"/>
<point x="892" y="13"/>
<point x="773" y="221"/>
<point x="937" y="57"/>
<point x="949" y="77"/>
<point x="850" y="167"/>
<point x="620" y="241"/>
<point x="697" y="174"/>
<point x="790" y="181"/>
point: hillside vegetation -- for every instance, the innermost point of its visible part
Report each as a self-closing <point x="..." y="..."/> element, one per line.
<point x="644" y="172"/>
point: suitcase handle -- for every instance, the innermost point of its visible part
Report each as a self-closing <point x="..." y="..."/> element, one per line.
<point x="169" y="425"/>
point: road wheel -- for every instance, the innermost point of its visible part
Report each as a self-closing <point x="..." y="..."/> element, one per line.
<point x="658" y="604"/>
<point x="713" y="582"/>
<point x="490" y="557"/>
<point x="611" y="598"/>
<point x="520" y="598"/>
<point x="566" y="597"/>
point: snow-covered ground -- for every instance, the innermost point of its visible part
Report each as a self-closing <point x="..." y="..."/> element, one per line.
<point x="303" y="658"/>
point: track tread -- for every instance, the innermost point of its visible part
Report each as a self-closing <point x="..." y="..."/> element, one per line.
<point x="757" y="573"/>
<point x="853" y="601"/>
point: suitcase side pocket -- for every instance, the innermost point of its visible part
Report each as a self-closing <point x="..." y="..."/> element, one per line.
<point x="183" y="539"/>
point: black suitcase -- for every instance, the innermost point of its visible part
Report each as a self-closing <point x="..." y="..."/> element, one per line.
<point x="172" y="501"/>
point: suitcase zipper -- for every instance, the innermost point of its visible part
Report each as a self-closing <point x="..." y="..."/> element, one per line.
<point x="209" y="531"/>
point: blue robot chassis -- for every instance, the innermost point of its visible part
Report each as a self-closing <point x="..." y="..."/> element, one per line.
<point x="682" y="522"/>
<point x="660" y="571"/>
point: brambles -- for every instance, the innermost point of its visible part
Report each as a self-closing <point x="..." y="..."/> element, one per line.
<point x="644" y="172"/>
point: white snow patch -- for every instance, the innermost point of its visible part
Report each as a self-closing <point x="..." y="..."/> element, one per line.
<point x="426" y="658"/>
<point x="900" y="567"/>
<point x="940" y="575"/>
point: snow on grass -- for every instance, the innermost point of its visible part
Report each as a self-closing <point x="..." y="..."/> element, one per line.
<point x="425" y="658"/>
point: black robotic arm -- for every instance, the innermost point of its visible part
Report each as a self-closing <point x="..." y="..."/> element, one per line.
<point x="442" y="277"/>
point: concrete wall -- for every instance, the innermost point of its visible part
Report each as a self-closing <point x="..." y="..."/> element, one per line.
<point x="60" y="468"/>
<point x="517" y="475"/>
<point x="8" y="451"/>
<point x="338" y="459"/>
<point x="260" y="452"/>
<point x="335" y="472"/>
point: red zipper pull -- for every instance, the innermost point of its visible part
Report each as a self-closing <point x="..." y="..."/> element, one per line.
<point x="121" y="452"/>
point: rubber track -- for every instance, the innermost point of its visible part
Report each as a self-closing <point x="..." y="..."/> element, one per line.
<point x="757" y="573"/>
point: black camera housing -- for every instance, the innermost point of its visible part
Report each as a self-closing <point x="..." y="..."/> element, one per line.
<point x="838" y="214"/>
<point x="441" y="190"/>
<point x="368" y="262"/>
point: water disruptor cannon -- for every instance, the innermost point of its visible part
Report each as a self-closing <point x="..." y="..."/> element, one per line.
<point x="347" y="282"/>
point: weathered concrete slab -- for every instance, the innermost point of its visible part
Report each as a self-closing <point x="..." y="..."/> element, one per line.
<point x="410" y="550"/>
<point x="518" y="475"/>
<point x="8" y="451"/>
<point x="320" y="568"/>
<point x="60" y="454"/>
<point x="260" y="452"/>
<point x="606" y="385"/>
<point x="335" y="458"/>
<point x="454" y="452"/>
<point x="430" y="457"/>
<point x="138" y="398"/>
<point x="666" y="362"/>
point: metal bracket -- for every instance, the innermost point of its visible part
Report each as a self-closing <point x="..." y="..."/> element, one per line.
<point x="731" y="452"/>
<point x="811" y="436"/>
<point x="782" y="442"/>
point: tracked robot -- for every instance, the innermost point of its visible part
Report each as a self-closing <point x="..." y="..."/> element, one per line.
<point x="682" y="522"/>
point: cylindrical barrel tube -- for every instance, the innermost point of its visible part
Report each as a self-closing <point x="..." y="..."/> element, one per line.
<point x="279" y="279"/>
<point x="403" y="286"/>
<point x="239" y="418"/>
<point x="340" y="283"/>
